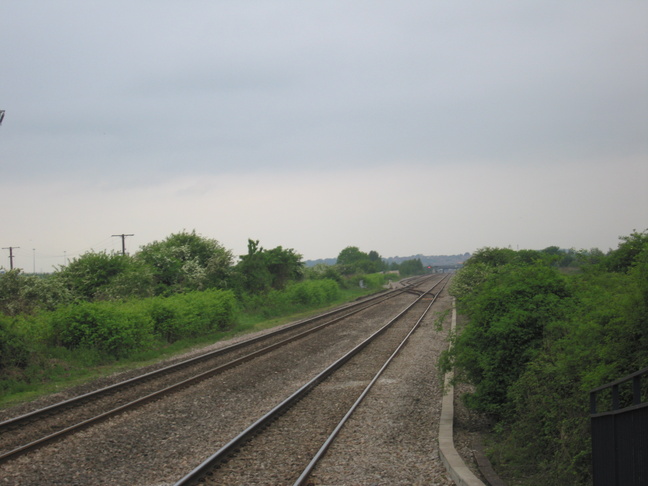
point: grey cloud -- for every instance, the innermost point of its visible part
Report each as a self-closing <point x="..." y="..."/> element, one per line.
<point x="238" y="87"/>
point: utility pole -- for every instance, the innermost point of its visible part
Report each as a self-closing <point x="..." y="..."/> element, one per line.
<point x="11" y="256"/>
<point x="123" y="237"/>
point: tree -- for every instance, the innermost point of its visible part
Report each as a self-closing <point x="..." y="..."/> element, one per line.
<point x="509" y="312"/>
<point x="187" y="261"/>
<point x="411" y="267"/>
<point x="378" y="264"/>
<point x="284" y="266"/>
<point x="351" y="260"/>
<point x="322" y="271"/>
<point x="252" y="271"/>
<point x="89" y="276"/>
<point x="621" y="259"/>
<point x="260" y="269"/>
<point x="351" y="255"/>
<point x="492" y="256"/>
<point x="25" y="294"/>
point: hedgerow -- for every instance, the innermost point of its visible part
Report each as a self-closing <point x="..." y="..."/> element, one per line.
<point x="297" y="295"/>
<point x="191" y="314"/>
<point x="106" y="326"/>
<point x="14" y="352"/>
<point x="537" y="341"/>
<point x="118" y="328"/>
<point x="314" y="292"/>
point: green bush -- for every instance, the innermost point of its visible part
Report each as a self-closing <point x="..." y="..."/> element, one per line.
<point x="373" y="281"/>
<point x="27" y="294"/>
<point x="314" y="292"/>
<point x="508" y="315"/>
<point x="165" y="315"/>
<point x="13" y="348"/>
<point x="105" y="326"/>
<point x="596" y="342"/>
<point x="208" y="311"/>
<point x="191" y="314"/>
<point x="308" y="293"/>
<point x="100" y="275"/>
<point x="186" y="262"/>
<point x="536" y="342"/>
<point x="323" y="271"/>
<point x="411" y="267"/>
<point x="118" y="328"/>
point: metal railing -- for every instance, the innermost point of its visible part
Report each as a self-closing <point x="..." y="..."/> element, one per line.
<point x="619" y="420"/>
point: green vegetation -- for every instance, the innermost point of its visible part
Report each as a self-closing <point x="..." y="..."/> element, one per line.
<point x="410" y="267"/>
<point x="261" y="270"/>
<point x="545" y="327"/>
<point x="351" y="260"/>
<point x="104" y="312"/>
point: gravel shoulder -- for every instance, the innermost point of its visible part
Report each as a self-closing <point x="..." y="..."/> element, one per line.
<point x="392" y="437"/>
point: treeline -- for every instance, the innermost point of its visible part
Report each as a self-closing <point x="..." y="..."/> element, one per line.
<point x="543" y="328"/>
<point x="106" y="306"/>
<point x="183" y="262"/>
<point x="352" y="260"/>
<point x="394" y="262"/>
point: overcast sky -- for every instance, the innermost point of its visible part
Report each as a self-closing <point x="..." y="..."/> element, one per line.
<point x="409" y="127"/>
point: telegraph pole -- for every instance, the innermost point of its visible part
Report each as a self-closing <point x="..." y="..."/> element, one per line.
<point x="123" y="237"/>
<point x="11" y="256"/>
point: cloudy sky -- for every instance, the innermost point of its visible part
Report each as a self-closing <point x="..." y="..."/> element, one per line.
<point x="417" y="126"/>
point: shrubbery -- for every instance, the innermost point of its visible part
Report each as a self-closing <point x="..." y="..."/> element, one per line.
<point x="103" y="307"/>
<point x="352" y="261"/>
<point x="26" y="294"/>
<point x="314" y="292"/>
<point x="118" y="328"/>
<point x="105" y="326"/>
<point x="191" y="314"/>
<point x="13" y="349"/>
<point x="537" y="341"/>
<point x="508" y="321"/>
<point x="309" y="293"/>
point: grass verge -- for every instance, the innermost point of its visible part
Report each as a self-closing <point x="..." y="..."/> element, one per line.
<point x="59" y="369"/>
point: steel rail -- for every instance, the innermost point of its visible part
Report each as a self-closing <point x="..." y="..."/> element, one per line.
<point x="197" y="474"/>
<point x="76" y="401"/>
<point x="322" y="451"/>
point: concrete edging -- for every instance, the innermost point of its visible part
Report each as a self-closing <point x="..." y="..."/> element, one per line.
<point x="459" y="472"/>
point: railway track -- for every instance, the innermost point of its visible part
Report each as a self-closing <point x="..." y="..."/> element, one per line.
<point x="161" y="439"/>
<point x="285" y="444"/>
<point x="27" y="432"/>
